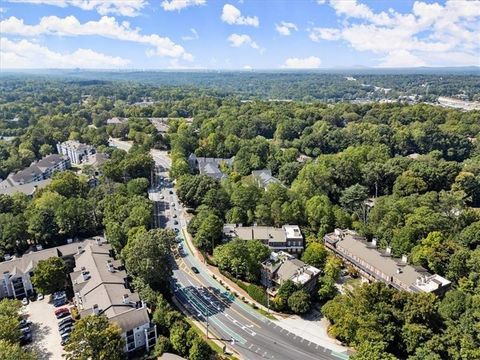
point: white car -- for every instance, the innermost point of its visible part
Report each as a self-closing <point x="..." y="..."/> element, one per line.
<point x="39" y="296"/>
<point x="172" y="204"/>
<point x="24" y="301"/>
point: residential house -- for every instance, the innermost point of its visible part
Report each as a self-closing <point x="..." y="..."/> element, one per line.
<point x="101" y="286"/>
<point x="377" y="265"/>
<point x="209" y="166"/>
<point x="38" y="170"/>
<point x="75" y="150"/>
<point x="281" y="267"/>
<point x="287" y="238"/>
<point x="264" y="178"/>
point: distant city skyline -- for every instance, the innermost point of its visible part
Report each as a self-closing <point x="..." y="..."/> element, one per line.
<point x="238" y="34"/>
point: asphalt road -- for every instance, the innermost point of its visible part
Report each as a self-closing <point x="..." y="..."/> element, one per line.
<point x="231" y="321"/>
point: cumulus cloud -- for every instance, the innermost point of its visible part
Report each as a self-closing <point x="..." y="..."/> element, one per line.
<point x="427" y="36"/>
<point x="26" y="54"/>
<point x="237" y="40"/>
<point x="231" y="15"/>
<point x="311" y="62"/>
<point x="172" y="5"/>
<point x="106" y="27"/>
<point x="285" y="28"/>
<point x="103" y="7"/>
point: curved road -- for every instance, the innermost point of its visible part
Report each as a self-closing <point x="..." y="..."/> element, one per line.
<point x="229" y="320"/>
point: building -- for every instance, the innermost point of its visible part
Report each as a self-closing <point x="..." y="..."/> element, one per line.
<point x="281" y="267"/>
<point x="17" y="272"/>
<point x="209" y="166"/>
<point x="28" y="189"/>
<point x="377" y="265"/>
<point x="101" y="286"/>
<point x="37" y="171"/>
<point x="116" y="120"/>
<point x="76" y="151"/>
<point x="287" y="238"/>
<point x="264" y="178"/>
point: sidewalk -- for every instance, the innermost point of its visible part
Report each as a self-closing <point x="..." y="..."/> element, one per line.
<point x="313" y="329"/>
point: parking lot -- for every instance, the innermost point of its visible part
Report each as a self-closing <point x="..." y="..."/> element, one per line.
<point x="46" y="338"/>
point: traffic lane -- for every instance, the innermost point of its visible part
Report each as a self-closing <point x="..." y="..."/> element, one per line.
<point x="262" y="344"/>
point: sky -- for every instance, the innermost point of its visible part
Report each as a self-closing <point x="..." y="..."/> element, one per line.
<point x="238" y="34"/>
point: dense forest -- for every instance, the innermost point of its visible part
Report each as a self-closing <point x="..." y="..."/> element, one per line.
<point x="419" y="163"/>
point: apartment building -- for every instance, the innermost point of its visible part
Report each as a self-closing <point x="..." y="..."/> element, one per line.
<point x="288" y="238"/>
<point x="75" y="150"/>
<point x="38" y="170"/>
<point x="281" y="267"/>
<point x="380" y="265"/>
<point x="100" y="285"/>
<point x="209" y="166"/>
<point x="17" y="272"/>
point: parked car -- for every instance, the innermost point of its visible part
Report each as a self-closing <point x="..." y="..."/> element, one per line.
<point x="62" y="329"/>
<point x="67" y="320"/>
<point x="65" y="338"/>
<point x="40" y="296"/>
<point x="26" y="338"/>
<point x="25" y="330"/>
<point x="59" y="302"/>
<point x="195" y="270"/>
<point x="62" y="313"/>
<point x="24" y="301"/>
<point x="66" y="330"/>
<point x="24" y="322"/>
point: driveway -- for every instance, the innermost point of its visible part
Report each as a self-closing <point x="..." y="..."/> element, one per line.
<point x="46" y="338"/>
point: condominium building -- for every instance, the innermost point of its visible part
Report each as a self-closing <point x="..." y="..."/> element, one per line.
<point x="75" y="150"/>
<point x="287" y="238"/>
<point x="380" y="265"/>
<point x="38" y="170"/>
<point x="209" y="166"/>
<point x="282" y="266"/>
<point x="100" y="285"/>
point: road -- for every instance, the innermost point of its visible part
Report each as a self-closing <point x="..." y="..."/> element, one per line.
<point x="226" y="317"/>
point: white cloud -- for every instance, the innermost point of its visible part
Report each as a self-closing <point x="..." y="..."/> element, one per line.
<point x="311" y="62"/>
<point x="172" y="5"/>
<point x="427" y="36"/>
<point x="284" y="28"/>
<point x="194" y="35"/>
<point x="231" y="15"/>
<point x="247" y="67"/>
<point x="25" y="54"/>
<point x="106" y="27"/>
<point x="321" y="2"/>
<point x="237" y="40"/>
<point x="103" y="7"/>
<point x="317" y="34"/>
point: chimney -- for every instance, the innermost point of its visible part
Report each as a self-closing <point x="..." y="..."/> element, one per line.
<point x="110" y="266"/>
<point x="404" y="259"/>
<point x="85" y="275"/>
<point x="95" y="309"/>
<point x="388" y="250"/>
<point x="374" y="242"/>
<point x="125" y="299"/>
<point x="79" y="250"/>
<point x="98" y="241"/>
<point x="399" y="270"/>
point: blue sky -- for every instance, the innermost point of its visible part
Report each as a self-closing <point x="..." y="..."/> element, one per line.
<point x="256" y="34"/>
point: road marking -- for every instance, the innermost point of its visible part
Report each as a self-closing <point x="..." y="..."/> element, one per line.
<point x="251" y="345"/>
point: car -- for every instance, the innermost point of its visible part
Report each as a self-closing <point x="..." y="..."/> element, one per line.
<point x="61" y="310"/>
<point x="65" y="321"/>
<point x="40" y="297"/>
<point x="66" y="330"/>
<point x="26" y="338"/>
<point x="59" y="295"/>
<point x="62" y="329"/>
<point x="24" y="301"/>
<point x="195" y="270"/>
<point x="178" y="239"/>
<point x="25" y="330"/>
<point x="65" y="338"/>
<point x="162" y="197"/>
<point x="180" y="246"/>
<point x="58" y="303"/>
<point x="177" y="230"/>
<point x="24" y="323"/>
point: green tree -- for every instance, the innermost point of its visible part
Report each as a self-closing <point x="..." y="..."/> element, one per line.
<point x="315" y="254"/>
<point x="319" y="214"/>
<point x="209" y="233"/>
<point x="147" y="255"/>
<point x="178" y="337"/>
<point x="199" y="350"/>
<point x="138" y="186"/>
<point x="50" y="275"/>
<point x="46" y="149"/>
<point x="162" y="346"/>
<point x="372" y="350"/>
<point x="353" y="200"/>
<point x="299" y="302"/>
<point x="12" y="351"/>
<point x="9" y="320"/>
<point x="94" y="337"/>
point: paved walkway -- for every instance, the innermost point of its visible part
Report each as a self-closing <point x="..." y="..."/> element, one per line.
<point x="313" y="328"/>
